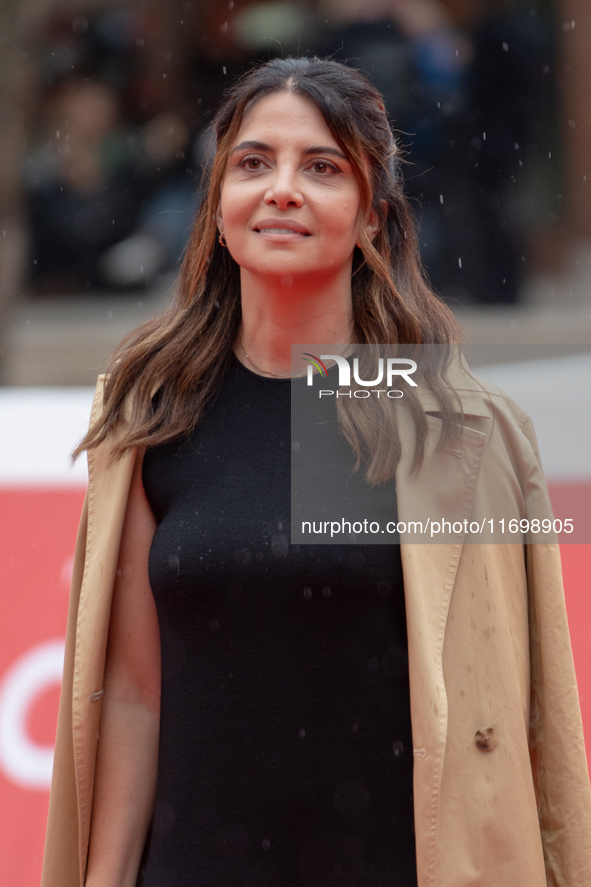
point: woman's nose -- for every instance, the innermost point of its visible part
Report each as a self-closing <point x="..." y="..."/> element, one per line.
<point x="283" y="191"/>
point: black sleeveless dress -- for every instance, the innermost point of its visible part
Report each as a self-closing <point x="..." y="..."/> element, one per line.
<point x="285" y="742"/>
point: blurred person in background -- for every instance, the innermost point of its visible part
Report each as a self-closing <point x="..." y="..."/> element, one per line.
<point x="110" y="206"/>
<point x="168" y="198"/>
<point x="511" y="154"/>
<point x="420" y="62"/>
<point x="473" y="108"/>
<point x="110" y="181"/>
<point x="80" y="188"/>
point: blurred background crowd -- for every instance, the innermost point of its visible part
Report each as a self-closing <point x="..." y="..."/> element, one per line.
<point x="106" y="107"/>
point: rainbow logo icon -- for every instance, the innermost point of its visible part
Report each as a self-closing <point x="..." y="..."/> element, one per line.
<point x="315" y="362"/>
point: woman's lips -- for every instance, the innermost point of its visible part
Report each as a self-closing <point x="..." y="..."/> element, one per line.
<point x="283" y="229"/>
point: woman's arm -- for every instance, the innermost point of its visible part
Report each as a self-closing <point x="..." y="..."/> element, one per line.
<point x="125" y="780"/>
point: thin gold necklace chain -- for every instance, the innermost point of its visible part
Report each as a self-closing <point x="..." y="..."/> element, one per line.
<point x="260" y="369"/>
<point x="268" y="372"/>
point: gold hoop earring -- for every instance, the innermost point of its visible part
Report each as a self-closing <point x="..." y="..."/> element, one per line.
<point x="221" y="240"/>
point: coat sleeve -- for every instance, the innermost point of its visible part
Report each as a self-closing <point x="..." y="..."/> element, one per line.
<point x="61" y="857"/>
<point x="556" y="735"/>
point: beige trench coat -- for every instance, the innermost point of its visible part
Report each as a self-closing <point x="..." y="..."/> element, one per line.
<point x="501" y="791"/>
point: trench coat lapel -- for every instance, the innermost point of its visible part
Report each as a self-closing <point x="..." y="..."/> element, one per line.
<point x="444" y="488"/>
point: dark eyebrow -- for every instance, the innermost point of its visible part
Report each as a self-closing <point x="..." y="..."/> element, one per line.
<point x="253" y="145"/>
<point x="325" y="149"/>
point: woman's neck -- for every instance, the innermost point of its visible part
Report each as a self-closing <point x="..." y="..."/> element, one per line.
<point x="277" y="314"/>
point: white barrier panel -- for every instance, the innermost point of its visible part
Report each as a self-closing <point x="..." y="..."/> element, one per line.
<point x="555" y="392"/>
<point x="39" y="428"/>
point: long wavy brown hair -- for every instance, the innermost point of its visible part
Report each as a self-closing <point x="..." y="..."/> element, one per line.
<point x="186" y="352"/>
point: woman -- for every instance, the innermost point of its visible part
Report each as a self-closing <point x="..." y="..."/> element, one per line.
<point x="272" y="745"/>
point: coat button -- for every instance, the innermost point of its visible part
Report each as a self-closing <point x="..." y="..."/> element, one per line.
<point x="486" y="739"/>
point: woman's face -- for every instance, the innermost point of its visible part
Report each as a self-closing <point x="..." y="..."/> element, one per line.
<point x="289" y="200"/>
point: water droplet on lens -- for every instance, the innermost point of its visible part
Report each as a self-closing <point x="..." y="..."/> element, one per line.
<point x="302" y="733"/>
<point x="279" y="545"/>
<point x="397" y="748"/>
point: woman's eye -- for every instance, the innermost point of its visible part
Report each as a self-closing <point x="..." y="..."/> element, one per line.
<point x="251" y="163"/>
<point x="323" y="167"/>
